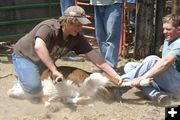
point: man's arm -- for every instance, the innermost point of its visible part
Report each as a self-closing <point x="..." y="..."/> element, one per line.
<point x="96" y="59"/>
<point x="162" y="65"/>
<point x="42" y="52"/>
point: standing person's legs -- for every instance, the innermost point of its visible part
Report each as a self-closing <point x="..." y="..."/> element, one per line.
<point x="64" y="4"/>
<point x="108" y="27"/>
<point x="99" y="13"/>
<point x="112" y="20"/>
<point x="28" y="74"/>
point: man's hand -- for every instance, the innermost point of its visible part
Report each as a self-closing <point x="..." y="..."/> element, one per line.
<point x="119" y="79"/>
<point x="136" y="82"/>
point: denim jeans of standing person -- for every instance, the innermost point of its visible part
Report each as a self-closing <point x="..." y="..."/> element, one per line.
<point x="167" y="82"/>
<point x="64" y="4"/>
<point x="108" y="27"/>
<point x="28" y="74"/>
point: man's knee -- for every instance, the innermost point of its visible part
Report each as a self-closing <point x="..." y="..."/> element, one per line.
<point x="152" y="58"/>
<point x="130" y="66"/>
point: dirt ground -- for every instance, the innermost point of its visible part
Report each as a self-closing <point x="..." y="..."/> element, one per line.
<point x="134" y="105"/>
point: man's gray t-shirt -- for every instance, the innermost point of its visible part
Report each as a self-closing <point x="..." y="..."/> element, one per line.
<point x="172" y="48"/>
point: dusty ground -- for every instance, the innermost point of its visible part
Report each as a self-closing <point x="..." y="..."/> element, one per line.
<point x="133" y="107"/>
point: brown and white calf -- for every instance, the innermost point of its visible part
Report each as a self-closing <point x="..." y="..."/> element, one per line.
<point x="78" y="86"/>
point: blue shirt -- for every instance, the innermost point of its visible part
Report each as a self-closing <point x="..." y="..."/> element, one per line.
<point x="173" y="48"/>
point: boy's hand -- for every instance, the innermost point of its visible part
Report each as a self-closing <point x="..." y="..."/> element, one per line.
<point x="57" y="77"/>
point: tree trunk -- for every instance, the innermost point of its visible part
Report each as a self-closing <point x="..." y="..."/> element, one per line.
<point x="144" y="36"/>
<point x="176" y="7"/>
<point x="159" y="37"/>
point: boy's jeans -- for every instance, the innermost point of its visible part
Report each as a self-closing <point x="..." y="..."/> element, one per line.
<point x="28" y="74"/>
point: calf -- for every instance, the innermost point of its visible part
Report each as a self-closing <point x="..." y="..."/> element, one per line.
<point x="78" y="86"/>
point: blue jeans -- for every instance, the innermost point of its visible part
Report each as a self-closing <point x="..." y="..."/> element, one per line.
<point x="64" y="4"/>
<point x="166" y="82"/>
<point x="28" y="74"/>
<point x="108" y="29"/>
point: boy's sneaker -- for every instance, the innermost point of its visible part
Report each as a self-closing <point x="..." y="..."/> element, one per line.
<point x="16" y="92"/>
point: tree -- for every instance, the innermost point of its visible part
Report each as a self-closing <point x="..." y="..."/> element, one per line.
<point x="148" y="36"/>
<point x="176" y="7"/>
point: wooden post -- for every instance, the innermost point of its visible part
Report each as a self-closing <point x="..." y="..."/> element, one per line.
<point x="176" y="7"/>
<point x="159" y="37"/>
<point x="144" y="34"/>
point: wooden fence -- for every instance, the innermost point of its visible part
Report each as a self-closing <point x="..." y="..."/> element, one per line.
<point x="17" y="17"/>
